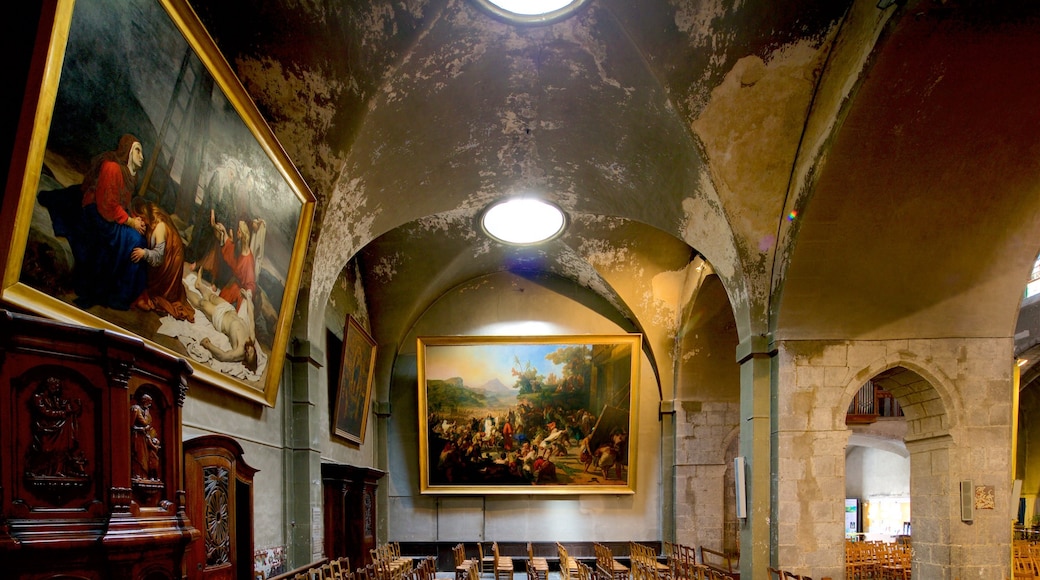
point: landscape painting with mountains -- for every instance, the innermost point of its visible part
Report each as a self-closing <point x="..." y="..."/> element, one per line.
<point x="551" y="414"/>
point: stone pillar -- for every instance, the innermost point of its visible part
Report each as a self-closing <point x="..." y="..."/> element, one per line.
<point x="303" y="494"/>
<point x="668" y="470"/>
<point x="755" y="356"/>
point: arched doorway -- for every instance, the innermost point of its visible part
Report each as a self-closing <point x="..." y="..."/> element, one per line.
<point x="877" y="468"/>
<point x="928" y="442"/>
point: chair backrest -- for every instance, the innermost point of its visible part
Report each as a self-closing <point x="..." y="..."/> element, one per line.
<point x="530" y="551"/>
<point x="458" y="552"/>
<point x="565" y="573"/>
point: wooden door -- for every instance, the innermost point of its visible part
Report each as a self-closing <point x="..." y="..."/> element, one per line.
<point x="219" y="487"/>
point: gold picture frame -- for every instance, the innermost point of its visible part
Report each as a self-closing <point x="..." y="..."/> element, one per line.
<point x="148" y="68"/>
<point x="528" y="415"/>
<point x="354" y="387"/>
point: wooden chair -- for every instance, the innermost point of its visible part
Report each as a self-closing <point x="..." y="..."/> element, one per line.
<point x="1022" y="568"/>
<point x="895" y="562"/>
<point x="582" y="571"/>
<point x="682" y="560"/>
<point x="339" y="566"/>
<point x="645" y="555"/>
<point x="607" y="566"/>
<point x="503" y="565"/>
<point x="568" y="565"/>
<point x="464" y="567"/>
<point x="718" y="561"/>
<point x="537" y="568"/>
<point x="486" y="562"/>
<point x="775" y="574"/>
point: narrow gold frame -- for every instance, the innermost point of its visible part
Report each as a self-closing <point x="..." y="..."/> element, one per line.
<point x="358" y="349"/>
<point x="427" y="355"/>
<point x="27" y="162"/>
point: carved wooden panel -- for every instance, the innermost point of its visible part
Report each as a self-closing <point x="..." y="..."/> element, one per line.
<point x="220" y="501"/>
<point x="80" y="410"/>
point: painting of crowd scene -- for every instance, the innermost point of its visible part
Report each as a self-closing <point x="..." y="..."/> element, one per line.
<point x="553" y="415"/>
<point x="159" y="208"/>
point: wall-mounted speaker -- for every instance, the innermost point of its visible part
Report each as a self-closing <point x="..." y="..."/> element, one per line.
<point x="967" y="501"/>
<point x="739" y="482"/>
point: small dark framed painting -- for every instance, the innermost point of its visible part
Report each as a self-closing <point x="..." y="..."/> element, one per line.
<point x="354" y="388"/>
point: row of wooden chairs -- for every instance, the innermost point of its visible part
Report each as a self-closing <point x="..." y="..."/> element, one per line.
<point x="1025" y="560"/>
<point x="647" y="560"/>
<point x="389" y="563"/>
<point x="876" y="560"/>
<point x="777" y="574"/>
<point x="683" y="564"/>
<point x="338" y="569"/>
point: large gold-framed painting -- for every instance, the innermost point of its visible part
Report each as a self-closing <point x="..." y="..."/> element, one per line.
<point x="153" y="198"/>
<point x="528" y="415"/>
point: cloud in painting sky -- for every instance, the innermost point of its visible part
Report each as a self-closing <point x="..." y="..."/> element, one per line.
<point x="479" y="363"/>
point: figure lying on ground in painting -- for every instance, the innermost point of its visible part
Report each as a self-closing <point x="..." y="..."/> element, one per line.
<point x="238" y="329"/>
<point x="165" y="292"/>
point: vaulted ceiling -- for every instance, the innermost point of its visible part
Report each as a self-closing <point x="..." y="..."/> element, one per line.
<point x="847" y="170"/>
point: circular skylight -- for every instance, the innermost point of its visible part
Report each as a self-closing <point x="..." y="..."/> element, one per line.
<point x="523" y="221"/>
<point x="531" y="11"/>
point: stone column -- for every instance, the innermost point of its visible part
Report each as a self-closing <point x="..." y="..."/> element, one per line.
<point x="755" y="356"/>
<point x="303" y="495"/>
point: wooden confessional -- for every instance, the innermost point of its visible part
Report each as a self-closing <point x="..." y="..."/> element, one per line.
<point x="350" y="511"/>
<point x="219" y="485"/>
<point x="91" y="482"/>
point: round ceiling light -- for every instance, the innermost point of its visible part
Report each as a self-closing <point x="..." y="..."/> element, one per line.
<point x="523" y="221"/>
<point x="531" y="11"/>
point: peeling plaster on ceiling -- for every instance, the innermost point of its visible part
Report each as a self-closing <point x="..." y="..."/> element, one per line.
<point x="666" y="292"/>
<point x="602" y="254"/>
<point x="846" y="63"/>
<point x="347" y="227"/>
<point x="474" y="285"/>
<point x="706" y="230"/>
<point x="710" y="235"/>
<point x="458" y="222"/>
<point x="751" y="129"/>
<point x="603" y="221"/>
<point x="696" y="19"/>
<point x="384" y="270"/>
<point x="361" y="314"/>
<point x="407" y="117"/>
<point x="583" y="36"/>
<point x="585" y="275"/>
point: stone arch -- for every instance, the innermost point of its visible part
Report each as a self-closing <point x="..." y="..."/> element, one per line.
<point x="924" y="396"/>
